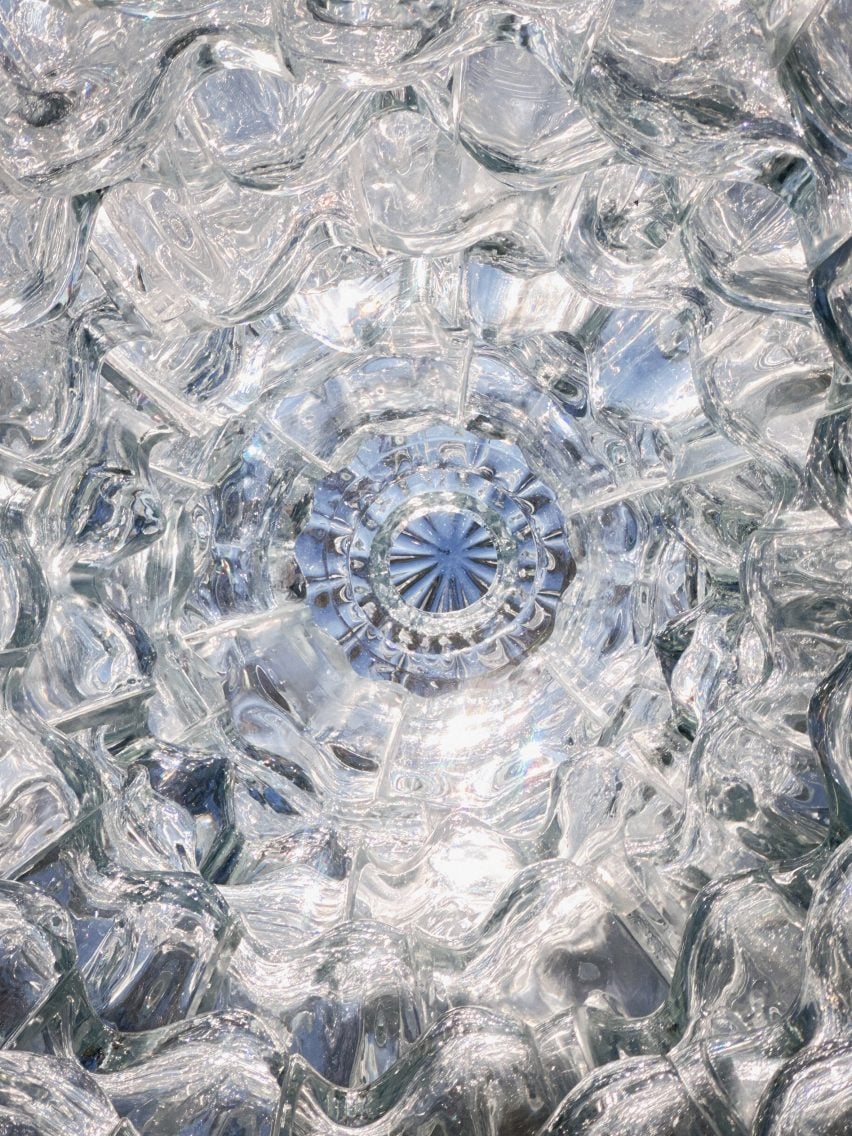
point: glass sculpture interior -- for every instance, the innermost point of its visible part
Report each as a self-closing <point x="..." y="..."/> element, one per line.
<point x="426" y="551"/>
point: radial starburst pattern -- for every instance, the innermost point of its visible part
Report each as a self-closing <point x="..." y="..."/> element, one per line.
<point x="443" y="560"/>
<point x="436" y="556"/>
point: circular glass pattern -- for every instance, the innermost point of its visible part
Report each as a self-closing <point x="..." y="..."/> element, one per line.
<point x="443" y="560"/>
<point x="435" y="557"/>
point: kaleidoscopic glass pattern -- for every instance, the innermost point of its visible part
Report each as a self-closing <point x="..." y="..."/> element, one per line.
<point x="426" y="534"/>
<point x="434" y="557"/>
<point x="443" y="559"/>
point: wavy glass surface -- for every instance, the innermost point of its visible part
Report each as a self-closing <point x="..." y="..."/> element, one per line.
<point x="426" y="543"/>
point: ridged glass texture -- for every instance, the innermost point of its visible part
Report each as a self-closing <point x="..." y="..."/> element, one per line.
<point x="426" y="545"/>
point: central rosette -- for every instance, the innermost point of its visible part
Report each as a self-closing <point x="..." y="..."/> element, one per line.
<point x="435" y="557"/>
<point x="443" y="559"/>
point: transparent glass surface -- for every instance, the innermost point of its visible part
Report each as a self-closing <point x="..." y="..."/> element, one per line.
<point x="426" y="545"/>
